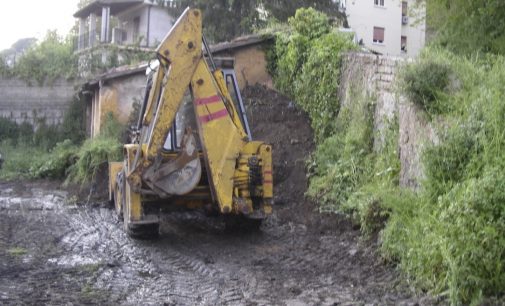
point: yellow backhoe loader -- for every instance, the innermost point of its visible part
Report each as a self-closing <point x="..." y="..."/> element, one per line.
<point x="192" y="147"/>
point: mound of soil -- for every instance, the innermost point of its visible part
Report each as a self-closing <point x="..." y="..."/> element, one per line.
<point x="276" y="120"/>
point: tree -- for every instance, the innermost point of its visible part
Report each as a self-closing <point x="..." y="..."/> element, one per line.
<point x="468" y="26"/>
<point x="222" y="19"/>
<point x="10" y="56"/>
<point x="83" y="3"/>
<point x="283" y="9"/>
<point x="226" y="19"/>
<point x="50" y="59"/>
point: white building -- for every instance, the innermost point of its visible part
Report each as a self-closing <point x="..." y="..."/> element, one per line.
<point x="137" y="22"/>
<point x="390" y="27"/>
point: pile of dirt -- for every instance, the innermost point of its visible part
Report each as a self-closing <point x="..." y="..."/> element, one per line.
<point x="276" y="120"/>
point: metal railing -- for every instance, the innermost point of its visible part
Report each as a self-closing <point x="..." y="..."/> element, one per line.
<point x="82" y="42"/>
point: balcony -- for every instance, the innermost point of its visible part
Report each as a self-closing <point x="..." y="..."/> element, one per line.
<point x="117" y="37"/>
<point x="118" y="32"/>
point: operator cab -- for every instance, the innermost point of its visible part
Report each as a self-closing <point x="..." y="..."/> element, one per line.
<point x="185" y="116"/>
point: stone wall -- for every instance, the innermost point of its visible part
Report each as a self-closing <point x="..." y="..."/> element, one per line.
<point x="21" y="102"/>
<point x="376" y="75"/>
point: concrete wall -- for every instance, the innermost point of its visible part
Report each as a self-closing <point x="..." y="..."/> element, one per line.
<point x="364" y="15"/>
<point x="376" y="75"/>
<point x="160" y="23"/>
<point x="155" y="22"/>
<point x="116" y="96"/>
<point x="20" y="102"/>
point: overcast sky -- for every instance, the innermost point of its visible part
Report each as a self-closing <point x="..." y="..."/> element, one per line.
<point x="32" y="18"/>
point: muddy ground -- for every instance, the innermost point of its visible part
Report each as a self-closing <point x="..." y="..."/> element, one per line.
<point x="56" y="250"/>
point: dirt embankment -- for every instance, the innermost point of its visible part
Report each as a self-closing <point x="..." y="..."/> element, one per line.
<point x="275" y="119"/>
<point x="55" y="252"/>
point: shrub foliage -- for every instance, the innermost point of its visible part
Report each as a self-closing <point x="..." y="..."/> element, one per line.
<point x="305" y="62"/>
<point x="451" y="236"/>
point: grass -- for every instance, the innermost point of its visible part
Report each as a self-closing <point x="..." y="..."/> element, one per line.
<point x="24" y="159"/>
<point x="20" y="159"/>
<point x="449" y="238"/>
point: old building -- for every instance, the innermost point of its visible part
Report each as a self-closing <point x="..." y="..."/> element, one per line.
<point x="248" y="53"/>
<point x="110" y="30"/>
<point x="390" y="27"/>
<point x="116" y="90"/>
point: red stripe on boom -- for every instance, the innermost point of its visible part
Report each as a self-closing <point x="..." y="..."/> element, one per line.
<point x="208" y="100"/>
<point x="213" y="116"/>
<point x="267" y="182"/>
<point x="267" y="172"/>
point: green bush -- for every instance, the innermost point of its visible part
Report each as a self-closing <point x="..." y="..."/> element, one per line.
<point x="450" y="237"/>
<point x="58" y="161"/>
<point x="450" y="161"/>
<point x="93" y="154"/>
<point x="425" y="82"/>
<point x="291" y="55"/>
<point x="8" y="129"/>
<point x="97" y="151"/>
<point x="52" y="58"/>
<point x="19" y="159"/>
<point x="344" y="161"/>
<point x="46" y="136"/>
<point x="73" y="125"/>
<point x="316" y="87"/>
<point x="310" y="23"/>
<point x="305" y="64"/>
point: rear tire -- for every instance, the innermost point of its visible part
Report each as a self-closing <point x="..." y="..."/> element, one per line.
<point x="143" y="231"/>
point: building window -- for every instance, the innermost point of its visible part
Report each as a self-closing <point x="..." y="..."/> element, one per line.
<point x="378" y="2"/>
<point x="404" y="8"/>
<point x="378" y="35"/>
<point x="404" y="44"/>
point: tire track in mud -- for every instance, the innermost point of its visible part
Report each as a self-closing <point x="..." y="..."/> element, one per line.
<point x="186" y="267"/>
<point x="143" y="271"/>
<point x="82" y="255"/>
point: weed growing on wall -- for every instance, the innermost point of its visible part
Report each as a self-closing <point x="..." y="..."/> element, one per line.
<point x="47" y="151"/>
<point x="97" y="151"/>
<point x="451" y="236"/>
<point x="339" y="172"/>
<point x="425" y="83"/>
<point x="345" y="170"/>
<point x="73" y="126"/>
<point x="448" y="238"/>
